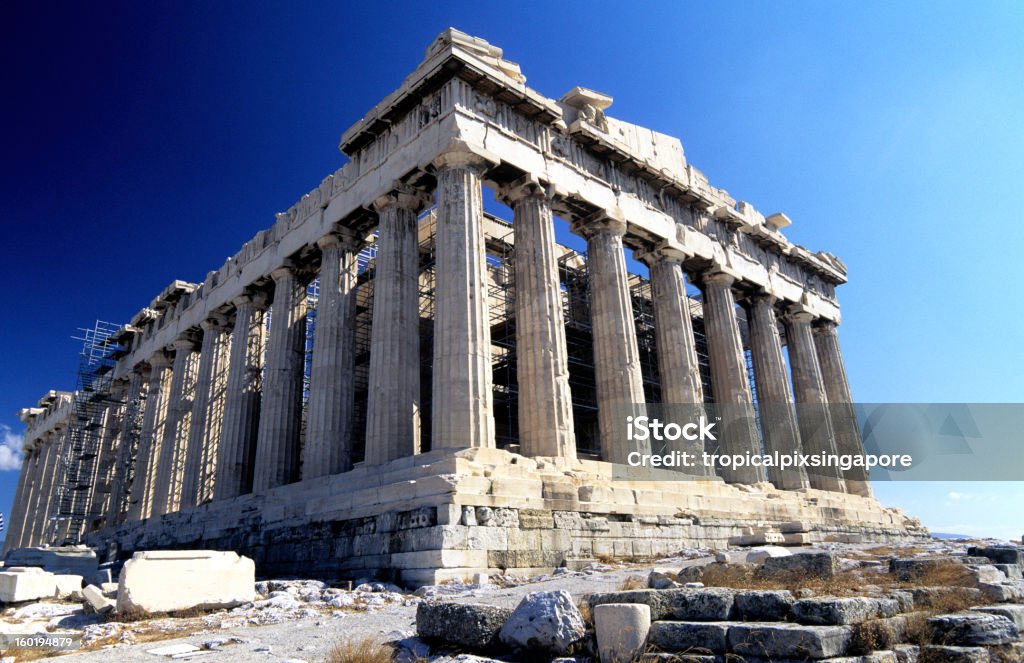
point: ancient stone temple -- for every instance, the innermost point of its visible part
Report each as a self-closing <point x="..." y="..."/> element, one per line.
<point x="390" y="380"/>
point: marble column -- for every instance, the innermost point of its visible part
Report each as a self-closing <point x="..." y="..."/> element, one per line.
<point x="774" y="399"/>
<point x="682" y="392"/>
<point x="207" y="409"/>
<point x="236" y="454"/>
<point x="128" y="447"/>
<point x="53" y="472"/>
<point x="277" y="442"/>
<point x="393" y="398"/>
<point x="21" y="494"/>
<point x="143" y="483"/>
<point x="328" y="445"/>
<point x="811" y="401"/>
<point x="733" y="400"/>
<point x="102" y="478"/>
<point x="840" y="403"/>
<point x="542" y="369"/>
<point x="462" y="405"/>
<point x="620" y="387"/>
<point x="171" y="461"/>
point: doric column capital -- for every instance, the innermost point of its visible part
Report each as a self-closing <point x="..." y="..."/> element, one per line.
<point x="661" y="252"/>
<point x="717" y="277"/>
<point x="341" y="237"/>
<point x="159" y="359"/>
<point x="257" y="299"/>
<point x="405" y="197"/>
<point x="461" y="155"/>
<point x="527" y="186"/>
<point x="188" y="340"/>
<point x="825" y="327"/>
<point x="761" y="297"/>
<point x="797" y="313"/>
<point x="285" y="271"/>
<point x="599" y="224"/>
<point x="214" y="322"/>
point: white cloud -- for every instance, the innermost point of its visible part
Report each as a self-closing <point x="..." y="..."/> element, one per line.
<point x="10" y="448"/>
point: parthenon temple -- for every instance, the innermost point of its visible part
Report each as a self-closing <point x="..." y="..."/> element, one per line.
<point x="390" y="380"/>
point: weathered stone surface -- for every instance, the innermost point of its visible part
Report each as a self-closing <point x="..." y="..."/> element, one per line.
<point x="972" y="628"/>
<point x="761" y="553"/>
<point x="59" y="559"/>
<point x="544" y="621"/>
<point x="946" y="654"/>
<point x="873" y="657"/>
<point x="1013" y="612"/>
<point x="96" y="600"/>
<point x="28" y="584"/>
<point x="1011" y="571"/>
<point x="999" y="554"/>
<point x="165" y="581"/>
<point x="907" y="653"/>
<point x="763" y="606"/>
<point x="655" y="599"/>
<point x="621" y="630"/>
<point x="700" y="605"/>
<point x="1003" y="592"/>
<point x="690" y="637"/>
<point x="472" y="626"/>
<point x="823" y="564"/>
<point x="68" y="586"/>
<point x="661" y="580"/>
<point x="773" y="640"/>
<point x="848" y="610"/>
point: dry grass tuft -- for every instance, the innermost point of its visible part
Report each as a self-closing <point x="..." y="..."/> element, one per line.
<point x="360" y="650"/>
<point x="585" y="612"/>
<point x="634" y="582"/>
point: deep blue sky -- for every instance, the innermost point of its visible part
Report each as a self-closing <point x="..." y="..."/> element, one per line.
<point x="146" y="142"/>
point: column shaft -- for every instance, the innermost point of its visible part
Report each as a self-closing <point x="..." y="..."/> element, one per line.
<point x="811" y="401"/>
<point x="207" y="411"/>
<point x="682" y="392"/>
<point x="393" y="405"/>
<point x="150" y="438"/>
<point x="733" y="400"/>
<point x="620" y="387"/>
<point x="17" y="519"/>
<point x="27" y="537"/>
<point x="236" y="454"/>
<point x="462" y="405"/>
<point x="43" y="532"/>
<point x="840" y="404"/>
<point x="542" y="369"/>
<point x="128" y="448"/>
<point x="774" y="400"/>
<point x="171" y="461"/>
<point x="277" y="442"/>
<point x="328" y="446"/>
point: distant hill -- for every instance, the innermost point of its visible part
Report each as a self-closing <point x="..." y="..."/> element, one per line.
<point x="947" y="535"/>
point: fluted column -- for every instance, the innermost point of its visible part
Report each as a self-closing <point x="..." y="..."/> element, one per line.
<point x="393" y="399"/>
<point x="811" y="401"/>
<point x="542" y="369"/>
<point x="328" y="445"/>
<point x="128" y="447"/>
<point x="48" y="495"/>
<point x="620" y="387"/>
<point x="774" y="400"/>
<point x="277" y="442"/>
<point x="143" y="483"/>
<point x="236" y="454"/>
<point x="462" y="404"/>
<point x="21" y="497"/>
<point x="682" y="392"/>
<point x="840" y="403"/>
<point x="733" y="399"/>
<point x="102" y="481"/>
<point x="171" y="462"/>
<point x="204" y="431"/>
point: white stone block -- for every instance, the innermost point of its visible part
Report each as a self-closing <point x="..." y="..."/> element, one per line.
<point x="621" y="630"/>
<point x="29" y="584"/>
<point x="68" y="586"/>
<point x="168" y="580"/>
<point x="95" y="598"/>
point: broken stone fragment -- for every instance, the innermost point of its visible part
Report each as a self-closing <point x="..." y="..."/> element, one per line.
<point x="547" y="621"/>
<point x="972" y="628"/>
<point x="170" y="580"/>
<point x="475" y="627"/>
